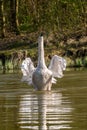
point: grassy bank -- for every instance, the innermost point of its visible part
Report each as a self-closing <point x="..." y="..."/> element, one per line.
<point x="73" y="49"/>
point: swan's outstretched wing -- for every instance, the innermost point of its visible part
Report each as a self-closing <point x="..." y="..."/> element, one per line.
<point x="27" y="69"/>
<point x="57" y="65"/>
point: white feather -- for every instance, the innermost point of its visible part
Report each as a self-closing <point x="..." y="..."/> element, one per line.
<point x="57" y="65"/>
<point x="27" y="69"/>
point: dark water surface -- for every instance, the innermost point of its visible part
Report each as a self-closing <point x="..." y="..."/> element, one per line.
<point x="64" y="108"/>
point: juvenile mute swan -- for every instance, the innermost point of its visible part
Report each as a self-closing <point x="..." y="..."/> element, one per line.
<point x="42" y="77"/>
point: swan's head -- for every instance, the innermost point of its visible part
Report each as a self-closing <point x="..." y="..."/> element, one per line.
<point x="41" y="34"/>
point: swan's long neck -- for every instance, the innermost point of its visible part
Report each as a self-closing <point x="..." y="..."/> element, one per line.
<point x="41" y="61"/>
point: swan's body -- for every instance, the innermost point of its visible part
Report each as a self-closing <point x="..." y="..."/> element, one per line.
<point x="42" y="77"/>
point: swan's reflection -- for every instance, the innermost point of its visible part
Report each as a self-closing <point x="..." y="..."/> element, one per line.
<point x="44" y="111"/>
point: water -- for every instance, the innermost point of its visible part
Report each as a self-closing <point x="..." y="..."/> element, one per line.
<point x="64" y="108"/>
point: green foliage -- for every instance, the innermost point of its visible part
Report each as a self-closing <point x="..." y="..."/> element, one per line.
<point x="85" y="61"/>
<point x="79" y="62"/>
<point x="54" y="15"/>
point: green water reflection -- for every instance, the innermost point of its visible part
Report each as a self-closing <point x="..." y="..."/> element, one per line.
<point x="64" y="108"/>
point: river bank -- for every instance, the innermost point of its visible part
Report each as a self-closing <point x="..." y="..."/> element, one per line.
<point x="13" y="49"/>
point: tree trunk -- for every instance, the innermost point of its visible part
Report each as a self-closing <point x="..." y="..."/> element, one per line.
<point x="14" y="16"/>
<point x="2" y="20"/>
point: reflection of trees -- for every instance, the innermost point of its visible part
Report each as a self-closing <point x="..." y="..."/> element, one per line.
<point x="8" y="111"/>
<point x="44" y="111"/>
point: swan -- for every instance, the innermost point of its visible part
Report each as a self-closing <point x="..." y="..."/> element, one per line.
<point x="42" y="76"/>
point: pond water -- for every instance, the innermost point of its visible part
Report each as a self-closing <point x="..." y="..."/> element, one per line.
<point x="63" y="108"/>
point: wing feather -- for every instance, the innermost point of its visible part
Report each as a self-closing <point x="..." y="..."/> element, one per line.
<point x="27" y="69"/>
<point x="57" y="65"/>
